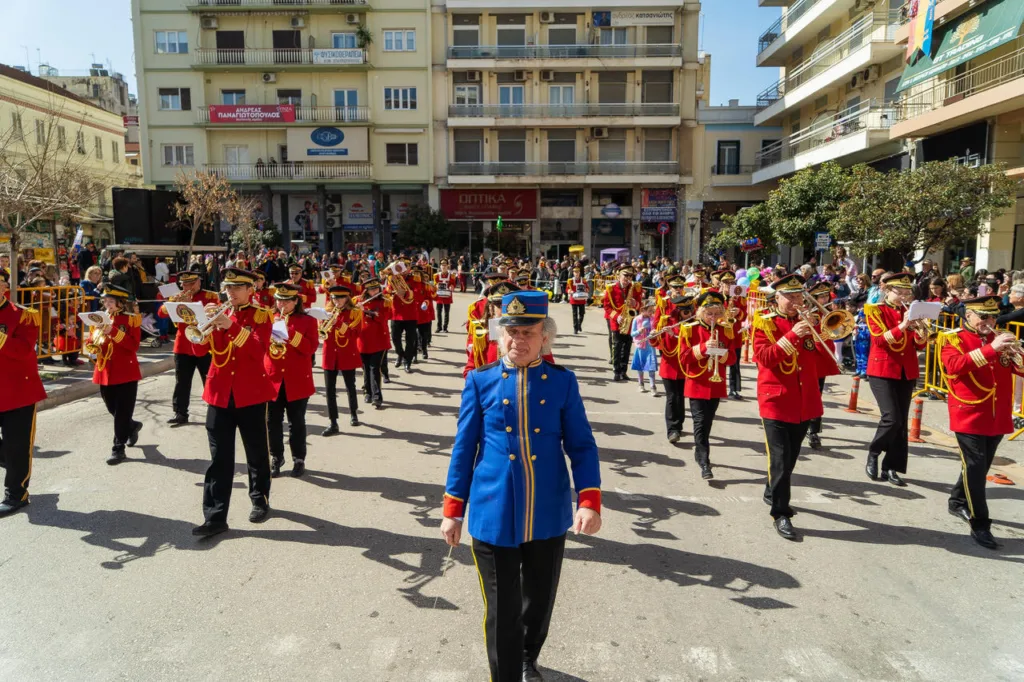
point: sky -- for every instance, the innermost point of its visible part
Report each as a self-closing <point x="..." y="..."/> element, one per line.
<point x="72" y="34"/>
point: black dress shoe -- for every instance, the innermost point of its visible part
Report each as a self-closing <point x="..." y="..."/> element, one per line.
<point x="367" y="399"/>
<point x="178" y="419"/>
<point x="437" y="331"/>
<point x="674" y="436"/>
<point x="871" y="468"/>
<point x="408" y="369"/>
<point x="354" y="421"/>
<point x="378" y="405"/>
<point x="985" y="539"/>
<point x="330" y="430"/>
<point x="767" y="498"/>
<point x="210" y="528"/>
<point x="386" y="380"/>
<point x="398" y="364"/>
<point x="275" y="466"/>
<point x="784" y="527"/>
<point x="895" y="479"/>
<point x="814" y="440"/>
<point x="298" y="468"/>
<point x="259" y="513"/>
<point x="116" y="457"/>
<point x="961" y="513"/>
<point x="705" y="472"/>
<point x="134" y="438"/>
<point x="530" y="672"/>
<point x="9" y="506"/>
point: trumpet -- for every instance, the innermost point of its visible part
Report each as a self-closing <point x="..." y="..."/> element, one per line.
<point x="183" y="297"/>
<point x="277" y="349"/>
<point x="327" y="326"/>
<point x="716" y="378"/>
<point x="1014" y="354"/>
<point x="199" y="333"/>
<point x="96" y="342"/>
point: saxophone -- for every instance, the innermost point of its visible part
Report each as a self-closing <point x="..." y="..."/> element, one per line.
<point x="628" y="313"/>
<point x="327" y="326"/>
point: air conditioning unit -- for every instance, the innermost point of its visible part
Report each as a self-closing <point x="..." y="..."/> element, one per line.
<point x="547" y="75"/>
<point x="385" y="215"/>
<point x="519" y="76"/>
<point x="857" y="81"/>
<point x="872" y="73"/>
<point x="332" y="221"/>
<point x="472" y="76"/>
<point x="547" y="17"/>
<point x="298" y="22"/>
<point x="208" y="22"/>
<point x="351" y="18"/>
<point x="332" y="208"/>
<point x="598" y="133"/>
<point x="269" y="77"/>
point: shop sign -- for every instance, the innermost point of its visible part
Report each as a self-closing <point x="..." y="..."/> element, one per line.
<point x="658" y="205"/>
<point x="252" y="113"/>
<point x="489" y="204"/>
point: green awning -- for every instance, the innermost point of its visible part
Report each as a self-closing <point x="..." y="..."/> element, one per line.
<point x="972" y="34"/>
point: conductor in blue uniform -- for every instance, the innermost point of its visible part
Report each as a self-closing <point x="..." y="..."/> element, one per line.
<point x="520" y="418"/>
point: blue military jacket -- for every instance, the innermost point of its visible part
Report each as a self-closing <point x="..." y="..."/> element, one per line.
<point x="516" y="427"/>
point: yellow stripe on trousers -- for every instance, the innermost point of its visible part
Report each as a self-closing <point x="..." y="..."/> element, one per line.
<point x="31" y="448"/>
<point x="768" y="452"/>
<point x="483" y="593"/>
<point x="963" y="476"/>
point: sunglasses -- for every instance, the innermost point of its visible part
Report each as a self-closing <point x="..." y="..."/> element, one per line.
<point x="984" y="316"/>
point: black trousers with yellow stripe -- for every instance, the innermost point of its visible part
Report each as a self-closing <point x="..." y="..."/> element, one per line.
<point x="221" y="424"/>
<point x="519" y="585"/>
<point x="17" y="430"/>
<point x="977" y="453"/>
<point x="783" y="441"/>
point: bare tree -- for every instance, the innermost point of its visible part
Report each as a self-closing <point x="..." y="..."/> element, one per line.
<point x="205" y="198"/>
<point x="243" y="213"/>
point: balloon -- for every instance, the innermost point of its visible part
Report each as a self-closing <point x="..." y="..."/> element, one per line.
<point x="753" y="274"/>
<point x="741" y="273"/>
<point x="743" y="282"/>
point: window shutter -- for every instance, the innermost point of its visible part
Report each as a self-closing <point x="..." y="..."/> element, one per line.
<point x="186" y="99"/>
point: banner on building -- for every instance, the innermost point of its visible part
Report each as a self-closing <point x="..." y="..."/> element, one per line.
<point x="635" y="18"/>
<point x="489" y="204"/>
<point x="357" y="212"/>
<point x="252" y="113"/>
<point x="658" y="205"/>
<point x="338" y="56"/>
<point x="327" y="143"/>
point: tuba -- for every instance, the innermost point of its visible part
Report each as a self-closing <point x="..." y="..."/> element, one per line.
<point x="397" y="282"/>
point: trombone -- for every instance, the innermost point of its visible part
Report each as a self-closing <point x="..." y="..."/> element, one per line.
<point x="837" y="324"/>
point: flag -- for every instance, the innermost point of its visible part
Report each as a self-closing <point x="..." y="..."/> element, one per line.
<point x="921" y="25"/>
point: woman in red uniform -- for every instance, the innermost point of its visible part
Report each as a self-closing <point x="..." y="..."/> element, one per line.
<point x="262" y="296"/>
<point x="374" y="340"/>
<point x="425" y="317"/>
<point x="444" y="285"/>
<point x="579" y="294"/>
<point x="288" y="364"/>
<point x="341" y="353"/>
<point x="117" y="368"/>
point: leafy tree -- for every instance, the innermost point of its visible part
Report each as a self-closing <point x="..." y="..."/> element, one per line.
<point x="426" y="228"/>
<point x="751" y="222"/>
<point x="205" y="198"/>
<point x="939" y="204"/>
<point x="806" y="203"/>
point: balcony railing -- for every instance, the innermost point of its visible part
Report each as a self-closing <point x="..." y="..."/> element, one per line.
<point x="565" y="168"/>
<point x="269" y="4"/>
<point x="302" y="115"/>
<point x="562" y="51"/>
<point x="796" y="10"/>
<point x="732" y="169"/>
<point x="272" y="56"/>
<point x="291" y="170"/>
<point x="562" y="110"/>
<point x="867" y="115"/>
<point x="943" y="92"/>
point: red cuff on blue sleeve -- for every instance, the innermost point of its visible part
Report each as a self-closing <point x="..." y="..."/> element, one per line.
<point x="590" y="498"/>
<point x="454" y="508"/>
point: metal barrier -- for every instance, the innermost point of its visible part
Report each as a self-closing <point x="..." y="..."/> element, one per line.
<point x="933" y="380"/>
<point x="60" y="330"/>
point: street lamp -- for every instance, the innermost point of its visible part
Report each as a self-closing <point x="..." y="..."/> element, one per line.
<point x="693" y="226"/>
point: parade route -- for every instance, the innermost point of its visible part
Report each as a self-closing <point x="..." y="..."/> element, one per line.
<point x="100" y="578"/>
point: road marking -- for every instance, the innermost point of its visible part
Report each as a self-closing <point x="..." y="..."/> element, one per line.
<point x="913" y="665"/>
<point x="815" y="664"/>
<point x="705" y="659"/>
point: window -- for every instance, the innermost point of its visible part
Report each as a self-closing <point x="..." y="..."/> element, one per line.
<point x="469" y="146"/>
<point x="611" y="87"/>
<point x="511" y="95"/>
<point x="659" y="35"/>
<point x="511" y="29"/>
<point x="563" y="35"/>
<point x="98" y="145"/>
<point x="890" y="90"/>
<point x="467" y="94"/>
<point x="402" y="154"/>
<point x="236" y="155"/>
<point x="175" y="99"/>
<point x="171" y="42"/>
<point x="40" y="132"/>
<point x="613" y="36"/>
<point x="728" y="159"/>
<point x="561" y="94"/>
<point x="62" y="138"/>
<point x="17" y="131"/>
<point x="289" y="97"/>
<point x="115" y="151"/>
<point x="657" y="144"/>
<point x="561" y="146"/>
<point x="399" y="98"/>
<point x="512" y="146"/>
<point x="343" y="41"/>
<point x="657" y="87"/>
<point x="466" y="30"/>
<point x="80" y="142"/>
<point x="612" y="148"/>
<point x="178" y="155"/>
<point x="232" y="97"/>
<point x="400" y="41"/>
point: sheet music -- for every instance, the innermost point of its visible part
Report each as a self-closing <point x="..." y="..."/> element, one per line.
<point x="100" y="318"/>
<point x="186" y="313"/>
<point x="924" y="310"/>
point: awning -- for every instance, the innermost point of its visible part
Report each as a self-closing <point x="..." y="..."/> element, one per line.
<point x="972" y="34"/>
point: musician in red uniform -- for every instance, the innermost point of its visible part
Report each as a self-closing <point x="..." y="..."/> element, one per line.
<point x="262" y="295"/>
<point x="892" y="374"/>
<point x="117" y="367"/>
<point x="578" y="294"/>
<point x="341" y="353"/>
<point x="481" y="349"/>
<point x="667" y="338"/>
<point x="188" y="357"/>
<point x="522" y="280"/>
<point x="736" y="309"/>
<point x="788" y="365"/>
<point x="335" y="274"/>
<point x="822" y="293"/>
<point x="979" y="366"/>
<point x="374" y="340"/>
<point x="237" y="392"/>
<point x="407" y="296"/>
<point x="709" y="349"/>
<point x="621" y="300"/>
<point x="477" y="308"/>
<point x="444" y="285"/>
<point x="425" y="318"/>
<point x="308" y="290"/>
<point x="22" y="389"/>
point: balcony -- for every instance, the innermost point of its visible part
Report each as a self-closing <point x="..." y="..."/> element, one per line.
<point x="312" y="6"/>
<point x="274" y="115"/>
<point x="297" y="171"/>
<point x="487" y="56"/>
<point x="982" y="92"/>
<point x="731" y="175"/>
<point x="591" y="113"/>
<point x="869" y="41"/>
<point x="773" y="3"/>
<point x="563" y="172"/>
<point x="945" y="10"/>
<point x="277" y="59"/>
<point x="802" y="20"/>
<point x="857" y="134"/>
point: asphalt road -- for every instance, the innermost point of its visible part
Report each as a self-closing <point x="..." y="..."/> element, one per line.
<point x="101" y="579"/>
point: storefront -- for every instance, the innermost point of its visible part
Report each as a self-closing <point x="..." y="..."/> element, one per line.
<point x="658" y="214"/>
<point x="475" y="212"/>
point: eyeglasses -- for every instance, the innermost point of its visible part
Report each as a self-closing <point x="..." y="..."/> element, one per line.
<point x="984" y="316"/>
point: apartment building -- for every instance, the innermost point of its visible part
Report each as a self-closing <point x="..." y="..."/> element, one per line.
<point x="964" y="99"/>
<point x="321" y="108"/>
<point x="573" y="124"/>
<point x="838" y="67"/>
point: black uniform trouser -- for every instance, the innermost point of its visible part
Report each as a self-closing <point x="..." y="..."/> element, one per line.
<point x="424" y="333"/>
<point x="735" y="380"/>
<point x="519" y="585"/>
<point x="331" y="381"/>
<point x="976" y="455"/>
<point x="611" y="341"/>
<point x="816" y="422"/>
<point x="221" y="423"/>
<point x="783" y="441"/>
<point x="407" y="351"/>
<point x="185" y="367"/>
<point x="18" y="431"/>
<point x="384" y="371"/>
<point x="444" y="311"/>
<point x="373" y="363"/>
<point x="120" y="402"/>
<point x="703" y="413"/>
<point x="893" y="397"/>
<point x="296" y="410"/>
<point x="578" y="313"/>
<point x="675" y="404"/>
<point x="623" y="344"/>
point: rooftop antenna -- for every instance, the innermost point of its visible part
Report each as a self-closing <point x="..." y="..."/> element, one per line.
<point x="28" y="60"/>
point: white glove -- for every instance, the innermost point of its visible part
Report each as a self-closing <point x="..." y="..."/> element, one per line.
<point x="423" y="306"/>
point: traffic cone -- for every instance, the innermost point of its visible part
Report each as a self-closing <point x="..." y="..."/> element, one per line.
<point x="915" y="421"/>
<point x="854" y="390"/>
<point x="1001" y="479"/>
<point x="746" y="348"/>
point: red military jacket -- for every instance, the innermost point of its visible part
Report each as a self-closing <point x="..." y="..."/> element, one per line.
<point x="669" y="343"/>
<point x="980" y="382"/>
<point x="615" y="299"/>
<point x="788" y="369"/>
<point x="373" y="332"/>
<point x="409" y="308"/>
<point x="579" y="291"/>
<point x="116" y="361"/>
<point x="236" y="368"/>
<point x="308" y="292"/>
<point x="19" y="373"/>
<point x="263" y="298"/>
<point x="476" y="311"/>
<point x="699" y="366"/>
<point x="182" y="346"/>
<point x="341" y="349"/>
<point x="893" y="351"/>
<point x="295" y="369"/>
<point x="427" y="295"/>
<point x="444" y="284"/>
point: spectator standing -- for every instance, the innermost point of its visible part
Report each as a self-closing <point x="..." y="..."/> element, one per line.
<point x="923" y="280"/>
<point x="86" y="258"/>
<point x="875" y="292"/>
<point x="90" y="285"/>
<point x="162" y="272"/>
<point x="841" y="259"/>
<point x="967" y="268"/>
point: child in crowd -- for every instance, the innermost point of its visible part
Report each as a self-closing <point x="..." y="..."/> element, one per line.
<point x="644" y="359"/>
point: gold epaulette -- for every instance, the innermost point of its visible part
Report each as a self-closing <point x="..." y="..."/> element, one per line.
<point x="134" y="320"/>
<point x="951" y="337"/>
<point x="261" y="315"/>
<point x="609" y="286"/>
<point x="872" y="312"/>
<point x="30" y="316"/>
